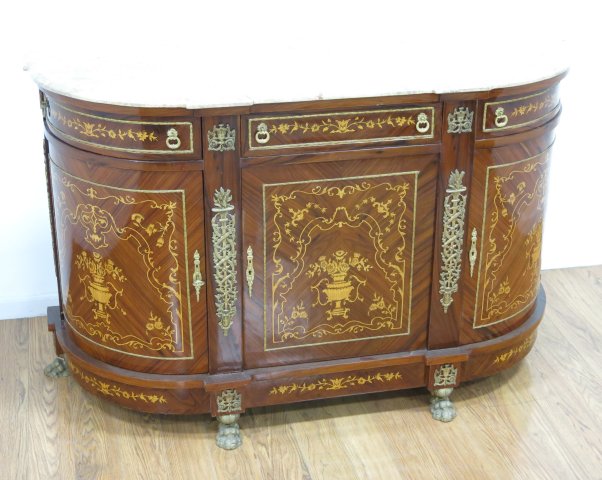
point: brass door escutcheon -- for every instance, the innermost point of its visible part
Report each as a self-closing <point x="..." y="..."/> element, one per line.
<point x="472" y="254"/>
<point x="250" y="270"/>
<point x="197" y="279"/>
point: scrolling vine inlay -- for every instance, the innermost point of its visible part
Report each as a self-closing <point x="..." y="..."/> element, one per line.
<point x="514" y="352"/>
<point x="340" y="294"/>
<point x="512" y="224"/>
<point x="337" y="383"/>
<point x="111" y="390"/>
<point x="341" y="126"/>
<point x="110" y="225"/>
<point x="94" y="129"/>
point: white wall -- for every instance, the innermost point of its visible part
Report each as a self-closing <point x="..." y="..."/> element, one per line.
<point x="27" y="282"/>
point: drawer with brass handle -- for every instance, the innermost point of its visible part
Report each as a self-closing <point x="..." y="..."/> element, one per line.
<point x="519" y="112"/>
<point x="123" y="136"/>
<point x="268" y="134"/>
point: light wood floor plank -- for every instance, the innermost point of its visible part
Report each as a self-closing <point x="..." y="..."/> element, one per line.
<point x="539" y="420"/>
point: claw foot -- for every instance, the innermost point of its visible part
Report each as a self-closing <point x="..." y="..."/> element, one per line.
<point x="57" y="368"/>
<point x="442" y="407"/>
<point x="228" y="435"/>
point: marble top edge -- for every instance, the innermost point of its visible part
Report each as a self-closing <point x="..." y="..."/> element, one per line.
<point x="82" y="85"/>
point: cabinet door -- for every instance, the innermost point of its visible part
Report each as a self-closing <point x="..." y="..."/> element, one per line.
<point x="504" y="233"/>
<point x="341" y="258"/>
<point x="129" y="238"/>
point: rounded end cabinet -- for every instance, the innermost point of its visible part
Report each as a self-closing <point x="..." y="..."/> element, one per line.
<point x="213" y="260"/>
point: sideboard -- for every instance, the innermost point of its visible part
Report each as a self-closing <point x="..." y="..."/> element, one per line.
<point x="211" y="260"/>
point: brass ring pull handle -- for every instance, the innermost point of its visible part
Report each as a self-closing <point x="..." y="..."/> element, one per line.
<point x="262" y="136"/>
<point x="501" y="120"/>
<point x="422" y="124"/>
<point x="452" y="238"/>
<point x="472" y="254"/>
<point x="172" y="141"/>
<point x="197" y="279"/>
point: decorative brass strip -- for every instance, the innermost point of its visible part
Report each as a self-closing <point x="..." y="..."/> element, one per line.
<point x="183" y="193"/>
<point x="472" y="254"/>
<point x="250" y="270"/>
<point x="50" y="112"/>
<point x="340" y="383"/>
<point x="197" y="279"/>
<point x="224" y="258"/>
<point x="113" y="390"/>
<point x="229" y="401"/>
<point x="423" y="121"/>
<point x="453" y="234"/>
<point x="502" y="124"/>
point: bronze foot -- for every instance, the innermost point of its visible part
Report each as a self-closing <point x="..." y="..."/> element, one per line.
<point x="57" y="368"/>
<point x="442" y="407"/>
<point x="228" y="435"/>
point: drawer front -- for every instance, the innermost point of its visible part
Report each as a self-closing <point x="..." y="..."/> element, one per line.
<point x="119" y="135"/>
<point x="269" y="133"/>
<point x="517" y="112"/>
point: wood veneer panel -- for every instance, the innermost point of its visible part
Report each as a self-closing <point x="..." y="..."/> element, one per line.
<point x="126" y="241"/>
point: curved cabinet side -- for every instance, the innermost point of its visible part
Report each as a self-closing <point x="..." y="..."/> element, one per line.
<point x="126" y="241"/>
<point x="504" y="234"/>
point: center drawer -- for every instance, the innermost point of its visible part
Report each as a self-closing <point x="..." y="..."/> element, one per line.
<point x="289" y="133"/>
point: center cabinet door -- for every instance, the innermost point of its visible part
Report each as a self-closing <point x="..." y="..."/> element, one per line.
<point x="338" y="258"/>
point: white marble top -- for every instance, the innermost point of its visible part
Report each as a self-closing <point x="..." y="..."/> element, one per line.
<point x="258" y="66"/>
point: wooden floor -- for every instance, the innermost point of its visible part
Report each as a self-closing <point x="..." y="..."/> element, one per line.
<point x="542" y="419"/>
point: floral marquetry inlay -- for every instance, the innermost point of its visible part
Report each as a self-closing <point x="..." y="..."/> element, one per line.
<point x="101" y="279"/>
<point x="524" y="347"/>
<point x="517" y="112"/>
<point x="111" y="390"/>
<point x="94" y="129"/>
<point x="110" y="226"/>
<point x="130" y="134"/>
<point x="342" y="283"/>
<point x="533" y="107"/>
<point x="320" y="292"/>
<point x="338" y="383"/>
<point x="512" y="225"/>
<point x="338" y="126"/>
